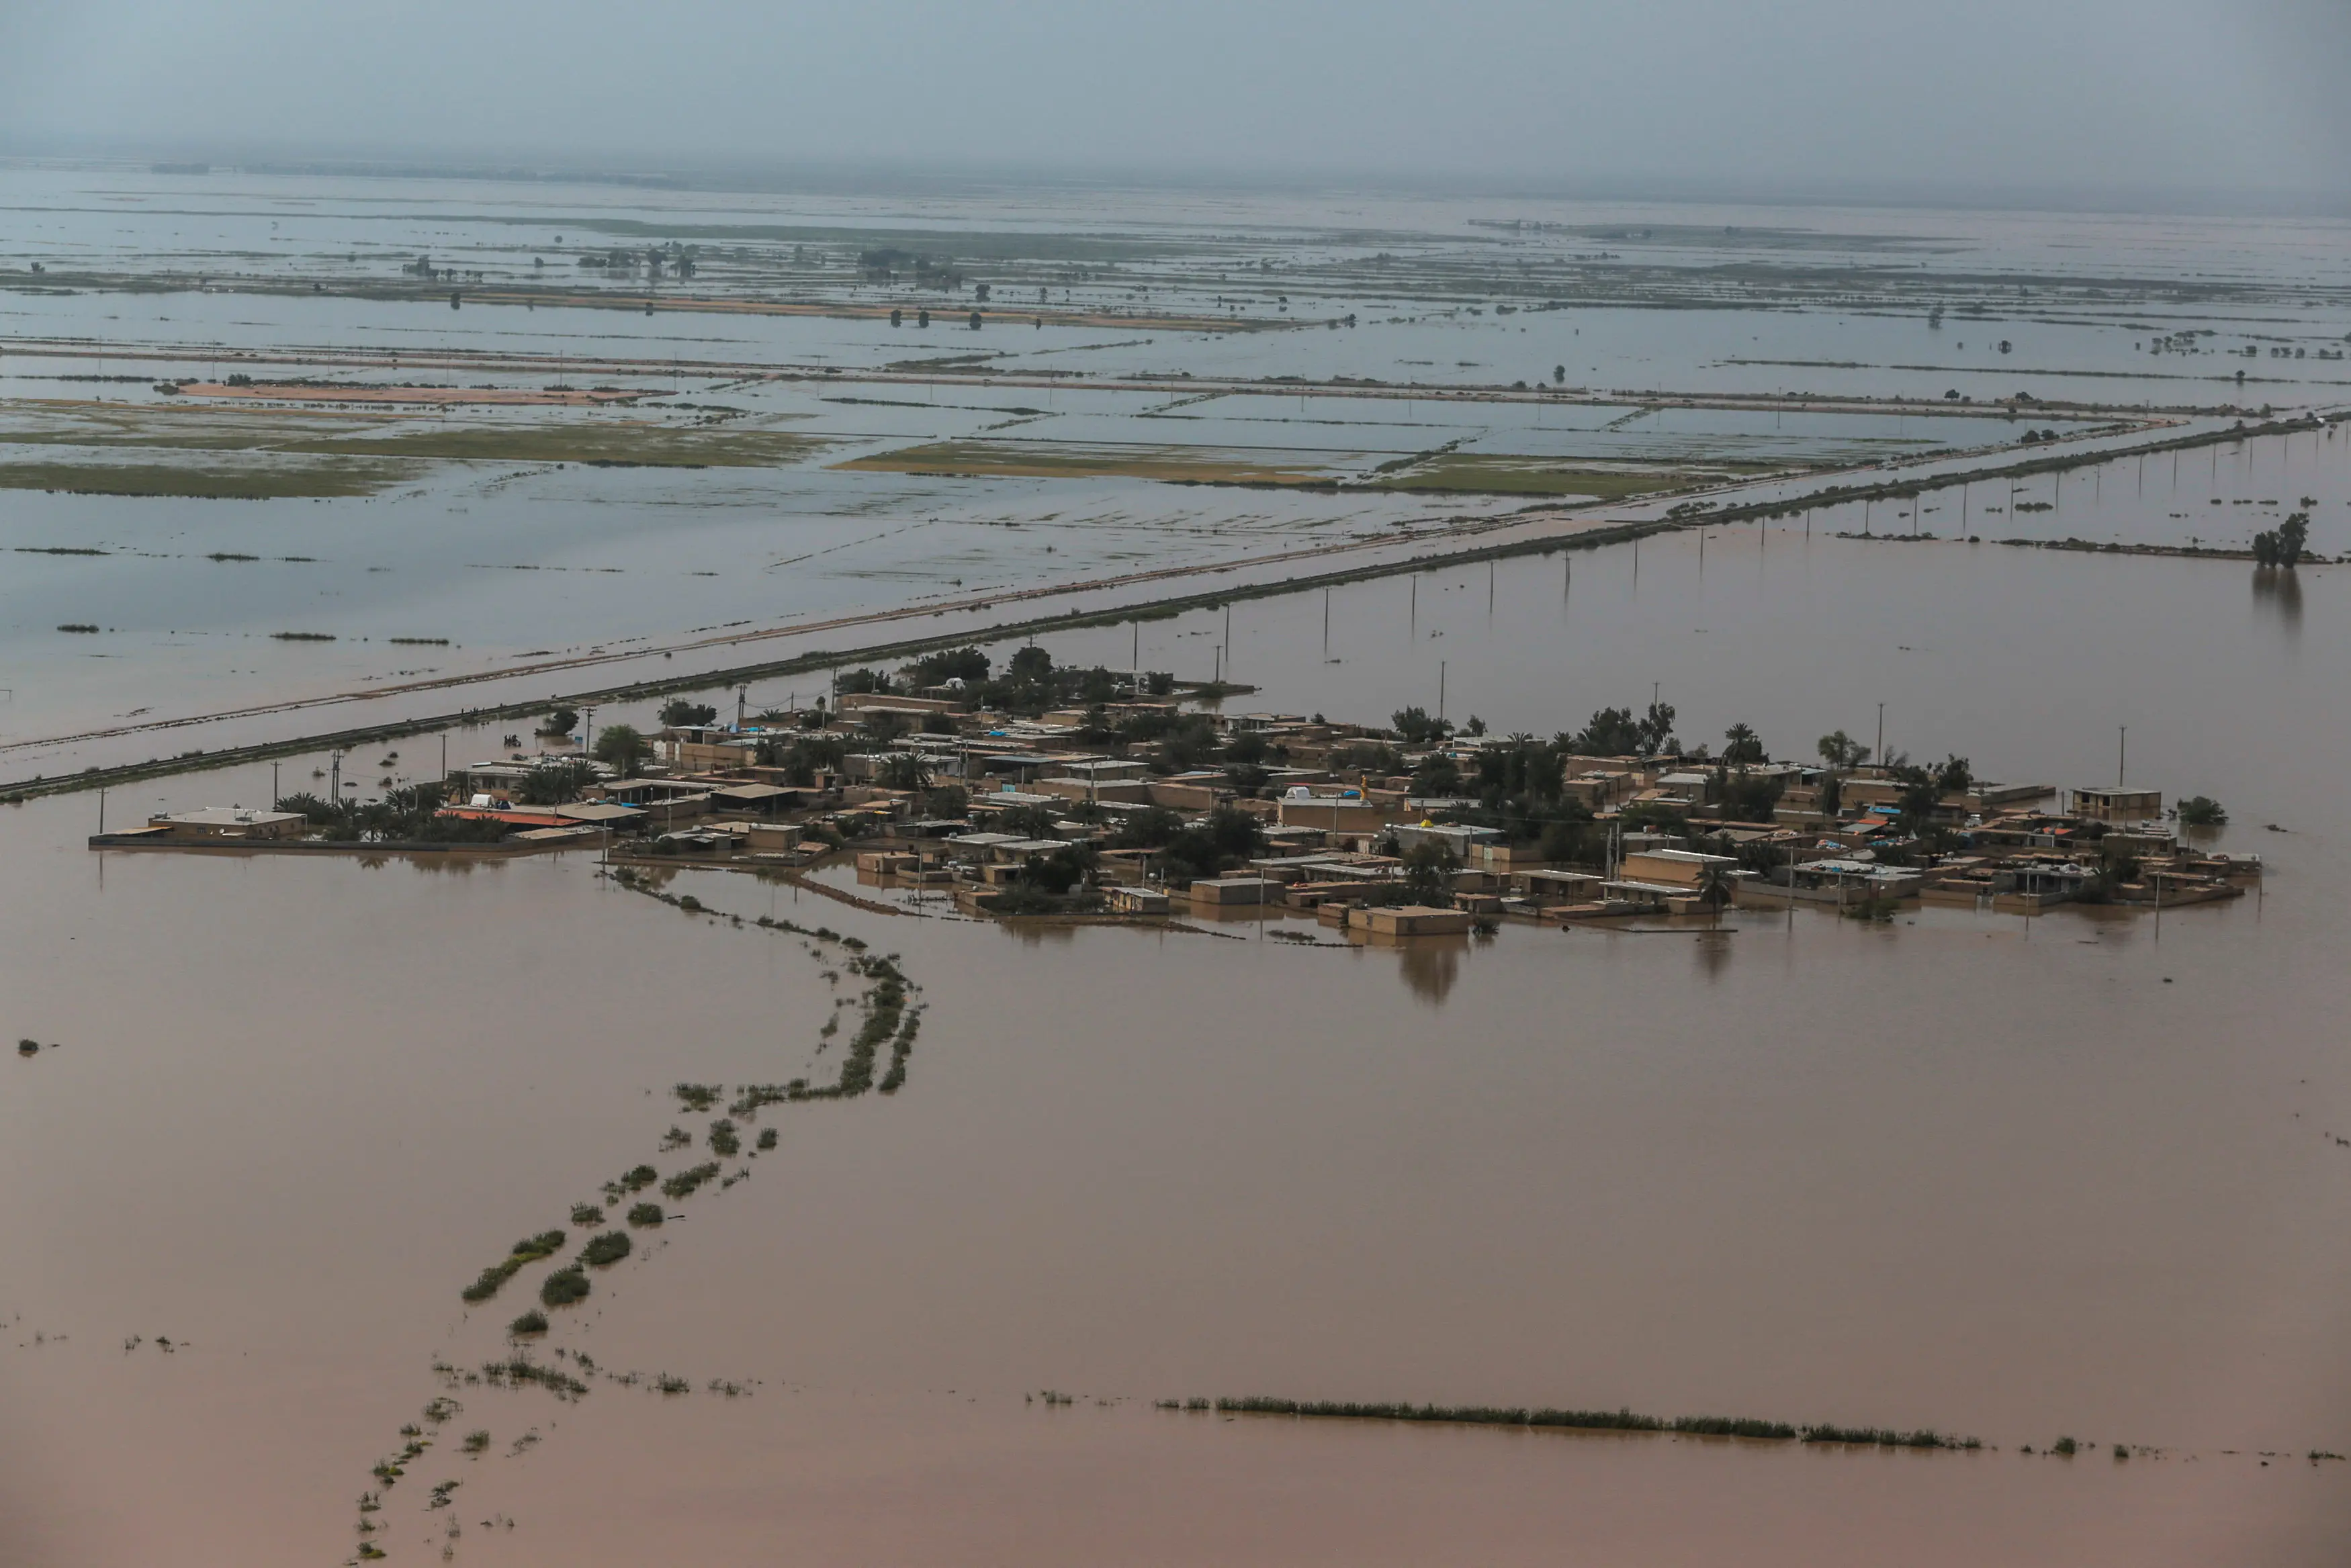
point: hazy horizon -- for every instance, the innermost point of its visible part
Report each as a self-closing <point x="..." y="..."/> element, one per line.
<point x="2164" y="104"/>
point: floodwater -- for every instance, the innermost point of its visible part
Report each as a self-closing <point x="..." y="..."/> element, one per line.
<point x="2074" y="1175"/>
<point x="488" y="566"/>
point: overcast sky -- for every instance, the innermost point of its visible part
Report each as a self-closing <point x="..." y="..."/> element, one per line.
<point x="1773" y="97"/>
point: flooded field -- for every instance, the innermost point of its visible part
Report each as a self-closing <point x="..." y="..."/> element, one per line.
<point x="2072" y="1187"/>
<point x="2010" y="1179"/>
<point x="460" y="427"/>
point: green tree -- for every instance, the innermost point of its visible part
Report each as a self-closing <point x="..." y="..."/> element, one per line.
<point x="968" y="665"/>
<point x="678" y="710"/>
<point x="1613" y="733"/>
<point x="1149" y="828"/>
<point x="554" y="783"/>
<point x="1841" y="750"/>
<point x="1656" y="730"/>
<point x="1742" y="747"/>
<point x="2196" y="811"/>
<point x="560" y="722"/>
<point x="2282" y="545"/>
<point x="1418" y="728"/>
<point x="1428" y="871"/>
<point x="904" y="770"/>
<point x="1437" y="776"/>
<point x="622" y="747"/>
<point x="1028" y="821"/>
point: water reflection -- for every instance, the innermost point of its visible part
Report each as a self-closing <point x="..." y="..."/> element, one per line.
<point x="1431" y="966"/>
<point x="1713" y="953"/>
<point x="2278" y="593"/>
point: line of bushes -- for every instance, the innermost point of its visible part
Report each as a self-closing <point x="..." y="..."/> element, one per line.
<point x="529" y="1249"/>
<point x="1618" y="1420"/>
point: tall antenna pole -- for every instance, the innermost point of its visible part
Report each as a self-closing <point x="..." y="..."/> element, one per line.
<point x="2122" y="755"/>
<point x="1881" y="734"/>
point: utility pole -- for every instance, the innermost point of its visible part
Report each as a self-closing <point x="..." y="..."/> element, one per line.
<point x="1880" y="752"/>
<point x="1326" y="626"/>
<point x="1440" y="691"/>
<point x="2122" y="755"/>
<point x="101" y="812"/>
<point x="588" y="731"/>
<point x="274" y="796"/>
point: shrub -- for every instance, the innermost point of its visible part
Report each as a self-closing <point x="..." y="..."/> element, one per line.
<point x="530" y="1323"/>
<point x="767" y="1138"/>
<point x="605" y="1249"/>
<point x="564" y="1287"/>
<point x="724" y="1143"/>
<point x="645" y="1214"/>
<point x="587" y="1214"/>
<point x="475" y="1442"/>
<point x="684" y="1182"/>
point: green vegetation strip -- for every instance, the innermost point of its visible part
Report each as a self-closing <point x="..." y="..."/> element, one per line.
<point x="529" y="1249"/>
<point x="1621" y="1420"/>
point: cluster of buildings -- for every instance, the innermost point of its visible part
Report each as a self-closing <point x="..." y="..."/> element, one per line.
<point x="929" y="792"/>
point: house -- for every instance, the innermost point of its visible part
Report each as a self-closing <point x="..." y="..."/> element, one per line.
<point x="1217" y="892"/>
<point x="2117" y="802"/>
<point x="226" y="822"/>
<point x="1684" y="870"/>
<point x="1459" y="841"/>
<point x="1126" y="900"/>
<point x="1409" y="921"/>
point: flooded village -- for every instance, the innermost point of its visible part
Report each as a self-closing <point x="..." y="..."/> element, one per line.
<point x="1028" y="791"/>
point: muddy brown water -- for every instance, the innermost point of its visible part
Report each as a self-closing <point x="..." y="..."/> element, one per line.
<point x="2002" y="1178"/>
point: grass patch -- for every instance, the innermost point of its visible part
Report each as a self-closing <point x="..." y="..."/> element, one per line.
<point x="587" y="1214"/>
<point x="518" y="1373"/>
<point x="616" y="444"/>
<point x="274" y="482"/>
<point x="530" y="1323"/>
<point x="724" y="1142"/>
<point x="1071" y="460"/>
<point x="1500" y="473"/>
<point x="475" y="1442"/>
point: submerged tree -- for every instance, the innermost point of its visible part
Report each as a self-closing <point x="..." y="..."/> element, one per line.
<point x="2201" y="811"/>
<point x="2282" y="545"/>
